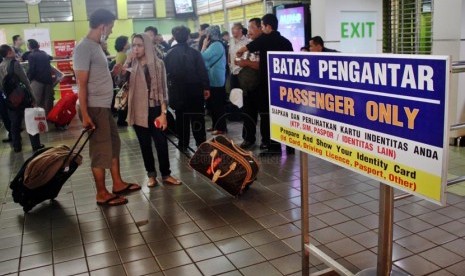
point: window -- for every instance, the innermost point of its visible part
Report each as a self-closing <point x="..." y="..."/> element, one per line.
<point x="170" y="10"/>
<point x="13" y="11"/>
<point x="141" y="9"/>
<point x="55" y="10"/>
<point x="407" y="26"/>
<point x="93" y="5"/>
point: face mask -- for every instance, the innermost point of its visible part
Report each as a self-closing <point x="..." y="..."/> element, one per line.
<point x="103" y="36"/>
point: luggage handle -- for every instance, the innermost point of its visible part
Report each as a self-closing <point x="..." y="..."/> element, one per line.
<point x="84" y="131"/>
<point x="237" y="148"/>
<point x="217" y="174"/>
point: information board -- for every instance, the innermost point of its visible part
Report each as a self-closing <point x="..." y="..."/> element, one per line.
<point x="64" y="48"/>
<point x="292" y="25"/>
<point x="42" y="36"/>
<point x="384" y="116"/>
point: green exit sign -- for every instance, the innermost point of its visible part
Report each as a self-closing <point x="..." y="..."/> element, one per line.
<point x="357" y="29"/>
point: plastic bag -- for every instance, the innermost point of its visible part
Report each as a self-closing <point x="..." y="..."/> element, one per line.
<point x="236" y="97"/>
<point x="36" y="121"/>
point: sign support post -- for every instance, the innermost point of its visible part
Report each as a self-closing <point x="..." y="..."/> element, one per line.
<point x="385" y="230"/>
<point x="304" y="212"/>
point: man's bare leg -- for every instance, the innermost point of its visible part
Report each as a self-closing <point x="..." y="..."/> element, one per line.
<point x="118" y="183"/>
<point x="102" y="192"/>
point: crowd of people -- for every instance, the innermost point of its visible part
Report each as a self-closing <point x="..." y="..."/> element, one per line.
<point x="37" y="81"/>
<point x="189" y="73"/>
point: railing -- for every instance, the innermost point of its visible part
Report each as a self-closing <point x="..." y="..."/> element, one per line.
<point x="458" y="66"/>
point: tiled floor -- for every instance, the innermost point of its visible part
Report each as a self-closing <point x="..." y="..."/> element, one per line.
<point x="196" y="229"/>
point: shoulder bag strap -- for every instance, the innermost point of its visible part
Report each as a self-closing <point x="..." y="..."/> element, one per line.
<point x="11" y="68"/>
<point x="216" y="61"/>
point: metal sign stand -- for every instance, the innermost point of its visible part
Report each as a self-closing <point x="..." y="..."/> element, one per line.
<point x="385" y="233"/>
<point x="304" y="212"/>
<point x="307" y="248"/>
<point x="386" y="220"/>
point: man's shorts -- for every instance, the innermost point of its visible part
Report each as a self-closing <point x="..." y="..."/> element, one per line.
<point x="104" y="144"/>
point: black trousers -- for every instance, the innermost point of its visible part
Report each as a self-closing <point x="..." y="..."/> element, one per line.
<point x="145" y="137"/>
<point x="249" y="118"/>
<point x="16" y="118"/>
<point x="4" y="114"/>
<point x="264" y="111"/>
<point x="191" y="116"/>
<point x="216" y="104"/>
<point x="234" y="81"/>
<point x="122" y="115"/>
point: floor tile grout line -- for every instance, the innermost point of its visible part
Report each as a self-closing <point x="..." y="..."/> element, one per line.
<point x="169" y="229"/>
<point x="80" y="234"/>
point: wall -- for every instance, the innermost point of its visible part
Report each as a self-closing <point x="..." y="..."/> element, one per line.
<point x="164" y="26"/>
<point x="77" y="29"/>
<point x="237" y="14"/>
<point x="461" y="77"/>
<point x="326" y="18"/>
<point x="448" y="26"/>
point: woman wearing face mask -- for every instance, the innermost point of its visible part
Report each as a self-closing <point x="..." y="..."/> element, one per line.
<point x="214" y="56"/>
<point x="147" y="107"/>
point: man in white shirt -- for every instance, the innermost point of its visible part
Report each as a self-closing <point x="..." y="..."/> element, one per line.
<point x="239" y="40"/>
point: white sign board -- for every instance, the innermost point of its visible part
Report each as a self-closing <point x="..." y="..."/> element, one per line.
<point x="3" y="37"/>
<point x="358" y="32"/>
<point x="42" y="36"/>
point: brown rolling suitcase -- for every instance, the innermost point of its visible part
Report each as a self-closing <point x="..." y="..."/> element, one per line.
<point x="226" y="164"/>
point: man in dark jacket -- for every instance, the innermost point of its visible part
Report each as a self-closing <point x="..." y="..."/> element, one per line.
<point x="270" y="40"/>
<point x="40" y="75"/>
<point x="188" y="86"/>
<point x="202" y="36"/>
<point x="318" y="45"/>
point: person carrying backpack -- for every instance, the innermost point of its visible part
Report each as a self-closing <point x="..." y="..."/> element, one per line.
<point x="17" y="89"/>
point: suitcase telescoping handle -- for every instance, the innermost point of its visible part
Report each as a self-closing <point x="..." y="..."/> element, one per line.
<point x="84" y="131"/>
<point x="175" y="144"/>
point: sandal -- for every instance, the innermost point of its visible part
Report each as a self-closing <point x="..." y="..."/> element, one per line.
<point x="152" y="182"/>
<point x="169" y="180"/>
<point x="113" y="201"/>
<point x="129" y="189"/>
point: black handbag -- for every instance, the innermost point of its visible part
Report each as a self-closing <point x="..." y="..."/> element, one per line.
<point x="226" y="164"/>
<point x="17" y="95"/>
